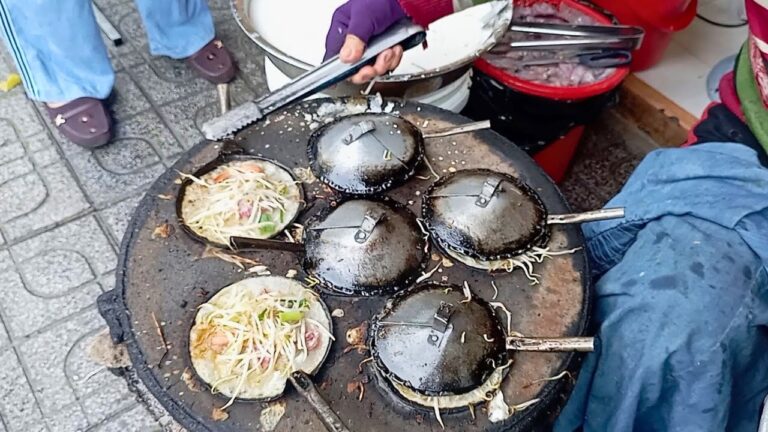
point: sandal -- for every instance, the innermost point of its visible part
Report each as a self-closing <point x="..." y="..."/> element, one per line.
<point x="213" y="62"/>
<point x="84" y="121"/>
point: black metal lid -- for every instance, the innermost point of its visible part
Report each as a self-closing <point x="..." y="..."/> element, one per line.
<point x="434" y="341"/>
<point x="366" y="153"/>
<point x="365" y="247"/>
<point x="485" y="215"/>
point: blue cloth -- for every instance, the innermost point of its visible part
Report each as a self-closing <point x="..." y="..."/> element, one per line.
<point x="682" y="298"/>
<point x="59" y="52"/>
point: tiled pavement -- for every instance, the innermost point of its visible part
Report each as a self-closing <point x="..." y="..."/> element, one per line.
<point x="62" y="214"/>
<point x="63" y="211"/>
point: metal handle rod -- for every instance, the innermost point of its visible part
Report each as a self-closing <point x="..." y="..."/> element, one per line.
<point x="590" y="216"/>
<point x="571" y="43"/>
<point x="306" y="388"/>
<point x="455" y="130"/>
<point x="223" y="91"/>
<point x="106" y="27"/>
<point x="623" y="32"/>
<point x="566" y="344"/>
<point x="246" y="243"/>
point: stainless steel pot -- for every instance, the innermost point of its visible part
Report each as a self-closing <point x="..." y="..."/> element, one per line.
<point x="405" y="86"/>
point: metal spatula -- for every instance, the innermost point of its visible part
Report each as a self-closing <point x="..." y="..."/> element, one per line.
<point x="404" y="33"/>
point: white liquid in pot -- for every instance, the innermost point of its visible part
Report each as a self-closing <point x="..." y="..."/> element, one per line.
<point x="298" y="29"/>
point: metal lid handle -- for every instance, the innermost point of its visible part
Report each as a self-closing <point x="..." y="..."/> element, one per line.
<point x="455" y="130"/>
<point x="591" y="216"/>
<point x="441" y="317"/>
<point x="565" y="344"/>
<point x="370" y="220"/>
<point x="358" y="130"/>
<point x="306" y="388"/>
<point x="490" y="186"/>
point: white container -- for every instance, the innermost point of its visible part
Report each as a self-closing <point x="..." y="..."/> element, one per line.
<point x="292" y="35"/>
<point x="723" y="12"/>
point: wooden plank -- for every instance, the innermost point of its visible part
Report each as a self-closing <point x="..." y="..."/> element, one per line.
<point x="655" y="114"/>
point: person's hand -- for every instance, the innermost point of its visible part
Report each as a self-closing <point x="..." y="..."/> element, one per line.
<point x="353" y="25"/>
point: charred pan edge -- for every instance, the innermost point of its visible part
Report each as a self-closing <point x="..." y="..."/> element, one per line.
<point x="207" y="385"/>
<point x="222" y="159"/>
<point x="328" y="288"/>
<point x="395" y="182"/>
<point x="541" y="238"/>
<point x="389" y="376"/>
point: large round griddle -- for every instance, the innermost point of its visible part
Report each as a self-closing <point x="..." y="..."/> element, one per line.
<point x="167" y="279"/>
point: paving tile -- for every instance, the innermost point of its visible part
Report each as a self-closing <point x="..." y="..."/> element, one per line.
<point x="128" y="98"/>
<point x="137" y="419"/>
<point x="5" y="342"/>
<point x="7" y="66"/>
<point x="108" y="6"/>
<point x="100" y="392"/>
<point x="186" y="116"/>
<point x="166" y="80"/>
<point x="19" y="176"/>
<point x="47" y="355"/>
<point x="17" y="402"/>
<point x="43" y="149"/>
<point x="21" y="112"/>
<point x="67" y="257"/>
<point x="26" y="312"/>
<point x="62" y="269"/>
<point x="68" y="419"/>
<point x="118" y="216"/>
<point x="6" y="263"/>
<point x="220" y="8"/>
<point x="11" y="147"/>
<point x="34" y="199"/>
<point x="130" y="26"/>
<point x="39" y="142"/>
<point x="100" y="406"/>
<point x="117" y="170"/>
<point x="149" y="127"/>
<point x="127" y="56"/>
<point x="45" y="157"/>
<point x="249" y="57"/>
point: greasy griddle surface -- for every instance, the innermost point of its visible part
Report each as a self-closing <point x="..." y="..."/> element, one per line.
<point x="168" y="278"/>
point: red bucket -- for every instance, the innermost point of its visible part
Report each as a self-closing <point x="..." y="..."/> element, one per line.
<point x="660" y="19"/>
<point x="563" y="93"/>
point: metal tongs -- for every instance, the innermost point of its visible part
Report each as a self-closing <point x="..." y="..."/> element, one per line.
<point x="588" y="37"/>
<point x="404" y="33"/>
<point x="593" y="59"/>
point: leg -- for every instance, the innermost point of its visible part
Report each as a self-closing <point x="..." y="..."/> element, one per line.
<point x="682" y="298"/>
<point x="176" y="28"/>
<point x="681" y="345"/>
<point x="57" y="48"/>
<point x="183" y="29"/>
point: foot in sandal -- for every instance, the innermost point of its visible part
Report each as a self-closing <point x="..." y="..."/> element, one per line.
<point x="213" y="62"/>
<point x="84" y="121"/>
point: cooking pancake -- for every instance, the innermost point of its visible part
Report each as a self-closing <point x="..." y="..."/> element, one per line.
<point x="486" y="219"/>
<point x="252" y="198"/>
<point x="440" y="347"/>
<point x="225" y="334"/>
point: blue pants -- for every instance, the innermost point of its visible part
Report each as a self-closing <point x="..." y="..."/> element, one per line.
<point x="682" y="298"/>
<point x="61" y="56"/>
